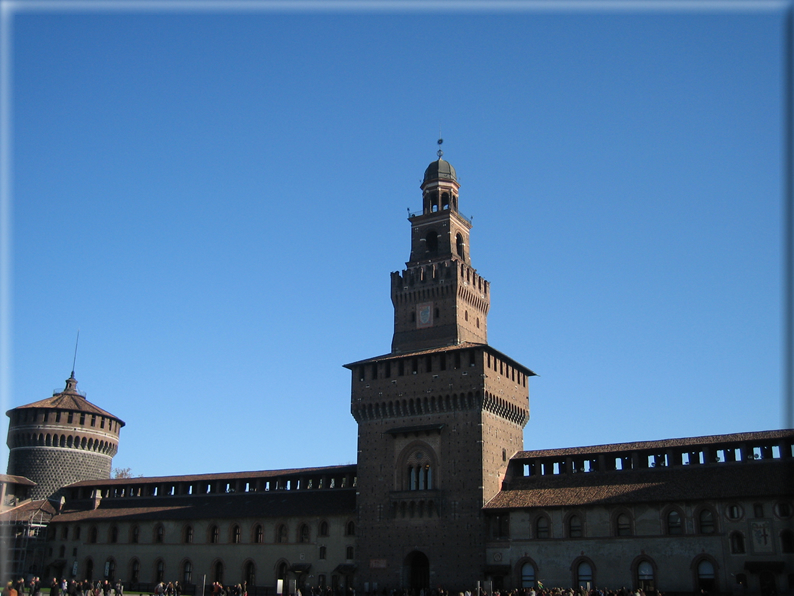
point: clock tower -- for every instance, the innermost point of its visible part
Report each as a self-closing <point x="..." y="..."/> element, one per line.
<point x="438" y="417"/>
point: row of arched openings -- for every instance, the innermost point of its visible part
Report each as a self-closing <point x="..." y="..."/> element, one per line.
<point x="186" y="571"/>
<point x="643" y="570"/>
<point x="67" y="441"/>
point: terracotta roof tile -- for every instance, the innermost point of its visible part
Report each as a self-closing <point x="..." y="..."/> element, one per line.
<point x="27" y="509"/>
<point x="282" y="503"/>
<point x="728" y="480"/>
<point x="346" y="469"/>
<point x="10" y="479"/>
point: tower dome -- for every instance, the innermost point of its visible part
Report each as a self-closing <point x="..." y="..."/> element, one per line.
<point x="60" y="440"/>
<point x="439" y="170"/>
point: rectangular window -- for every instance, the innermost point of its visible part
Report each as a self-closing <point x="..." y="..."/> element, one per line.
<point x="388" y="370"/>
<point x="93" y="420"/>
<point x="401" y="368"/>
<point x="70" y="419"/>
<point x="82" y="419"/>
<point x="758" y="510"/>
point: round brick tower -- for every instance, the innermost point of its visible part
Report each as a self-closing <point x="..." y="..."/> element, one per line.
<point x="60" y="440"/>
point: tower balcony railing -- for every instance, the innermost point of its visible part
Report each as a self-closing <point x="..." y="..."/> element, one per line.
<point x="413" y="214"/>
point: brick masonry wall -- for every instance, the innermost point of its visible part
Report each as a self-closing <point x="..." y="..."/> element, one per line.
<point x="54" y="467"/>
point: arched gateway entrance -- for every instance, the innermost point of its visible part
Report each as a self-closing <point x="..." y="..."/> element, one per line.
<point x="417" y="570"/>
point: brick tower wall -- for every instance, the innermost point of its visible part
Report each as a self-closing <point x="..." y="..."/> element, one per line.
<point x="53" y="467"/>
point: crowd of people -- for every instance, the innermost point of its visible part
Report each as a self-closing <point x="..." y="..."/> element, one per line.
<point x="63" y="587"/>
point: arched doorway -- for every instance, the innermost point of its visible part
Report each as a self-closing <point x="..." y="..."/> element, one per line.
<point x="768" y="583"/>
<point x="417" y="570"/>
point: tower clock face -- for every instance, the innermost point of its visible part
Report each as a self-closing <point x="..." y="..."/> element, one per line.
<point x="424" y="315"/>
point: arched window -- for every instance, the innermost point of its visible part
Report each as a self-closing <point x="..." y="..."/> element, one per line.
<point x="674" y="523"/>
<point x="159" y="570"/>
<point x="584" y="574"/>
<point x="527" y="575"/>
<point x="303" y="534"/>
<point x="187" y="572"/>
<point x="645" y="580"/>
<point x="259" y="534"/>
<point x="159" y="533"/>
<point x="114" y="534"/>
<point x="350" y="529"/>
<point x="705" y="578"/>
<point x="218" y="571"/>
<point x="431" y="242"/>
<point x="706" y="521"/>
<point x="623" y="525"/>
<point x="787" y="541"/>
<point x="135" y="534"/>
<point x="737" y="543"/>
<point x="574" y="527"/>
<point x="250" y="574"/>
<point x="188" y="535"/>
<point x="89" y="569"/>
<point x="110" y="570"/>
<point x="459" y="247"/>
<point x="92" y="535"/>
<point x="324" y="528"/>
<point x="542" y="527"/>
<point x="135" y="571"/>
<point x="281" y="534"/>
<point x="214" y="534"/>
<point x="236" y="534"/>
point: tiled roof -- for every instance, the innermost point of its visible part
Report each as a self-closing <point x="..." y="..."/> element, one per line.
<point x="768" y="478"/>
<point x="463" y="346"/>
<point x="28" y="509"/>
<point x="281" y="503"/>
<point x="71" y="402"/>
<point x="10" y="479"/>
<point x="657" y="445"/>
<point x="330" y="470"/>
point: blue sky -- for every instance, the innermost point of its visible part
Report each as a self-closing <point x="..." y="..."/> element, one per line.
<point x="216" y="198"/>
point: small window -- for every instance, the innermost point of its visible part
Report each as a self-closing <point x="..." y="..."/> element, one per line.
<point x="159" y="534"/>
<point x="189" y="535"/>
<point x="214" y="535"/>
<point x="783" y="510"/>
<point x="303" y="534"/>
<point x="674" y="524"/>
<point x="65" y="533"/>
<point x="542" y="530"/>
<point x="350" y="529"/>
<point x="259" y="534"/>
<point x="734" y="512"/>
<point x="281" y="534"/>
<point x="92" y="537"/>
<point x="134" y="535"/>
<point x="324" y="528"/>
<point x="706" y="519"/>
<point x="737" y="543"/>
<point x="758" y="510"/>
<point x="114" y="534"/>
<point x="575" y="527"/>
<point x="236" y="535"/>
<point x="787" y="541"/>
<point x="322" y="552"/>
<point x="349" y="552"/>
<point x="623" y="525"/>
<point x="77" y="533"/>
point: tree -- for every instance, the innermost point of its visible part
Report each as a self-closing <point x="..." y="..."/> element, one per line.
<point x="122" y="472"/>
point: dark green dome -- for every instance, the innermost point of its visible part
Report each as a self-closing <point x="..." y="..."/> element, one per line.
<point x="439" y="170"/>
